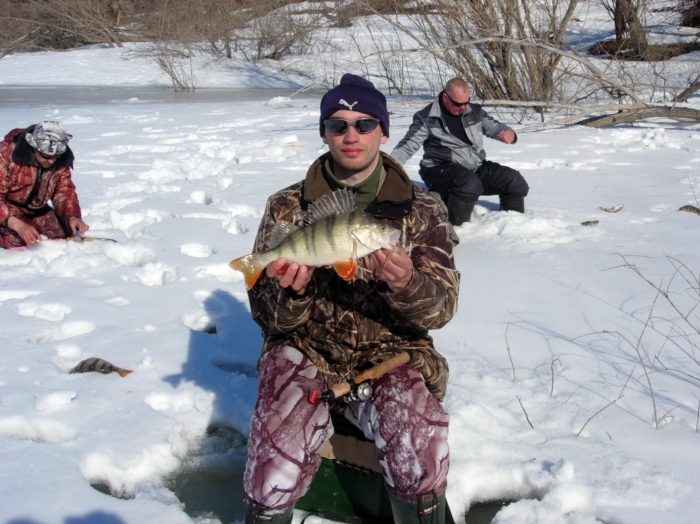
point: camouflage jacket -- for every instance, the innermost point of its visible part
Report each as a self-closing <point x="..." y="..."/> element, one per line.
<point x="26" y="187"/>
<point x="347" y="327"/>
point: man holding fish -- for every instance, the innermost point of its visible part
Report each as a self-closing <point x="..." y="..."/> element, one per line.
<point x="351" y="267"/>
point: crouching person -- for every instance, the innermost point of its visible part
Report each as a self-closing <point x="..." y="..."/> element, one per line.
<point x="320" y="329"/>
<point x="35" y="167"/>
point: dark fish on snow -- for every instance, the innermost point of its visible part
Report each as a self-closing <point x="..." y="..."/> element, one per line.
<point x="689" y="209"/>
<point x="99" y="365"/>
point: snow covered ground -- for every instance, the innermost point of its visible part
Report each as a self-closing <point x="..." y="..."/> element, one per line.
<point x="181" y="182"/>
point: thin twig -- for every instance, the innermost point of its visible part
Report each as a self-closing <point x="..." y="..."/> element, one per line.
<point x="509" y="356"/>
<point x="691" y="185"/>
<point x="607" y="406"/>
<point x="551" y="392"/>
<point x="572" y="394"/>
<point x="666" y="414"/>
<point x="523" y="408"/>
<point x="697" y="420"/>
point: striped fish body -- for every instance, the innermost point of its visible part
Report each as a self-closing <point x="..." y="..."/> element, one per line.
<point x="690" y="209"/>
<point x="337" y="240"/>
<point x="99" y="365"/>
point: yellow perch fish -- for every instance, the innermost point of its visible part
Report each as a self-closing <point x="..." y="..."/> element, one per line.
<point x="335" y="233"/>
<point x="99" y="365"/>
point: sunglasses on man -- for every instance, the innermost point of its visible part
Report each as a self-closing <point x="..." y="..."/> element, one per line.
<point x="454" y="102"/>
<point x="340" y="126"/>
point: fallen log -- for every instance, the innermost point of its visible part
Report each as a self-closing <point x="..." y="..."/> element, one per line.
<point x="682" y="114"/>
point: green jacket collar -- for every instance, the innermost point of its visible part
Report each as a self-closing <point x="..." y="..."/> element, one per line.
<point x="395" y="197"/>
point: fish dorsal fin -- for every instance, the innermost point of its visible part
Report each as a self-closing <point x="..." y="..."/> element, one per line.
<point x="331" y="204"/>
<point x="280" y="231"/>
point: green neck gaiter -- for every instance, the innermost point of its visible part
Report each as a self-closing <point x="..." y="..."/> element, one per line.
<point x="366" y="190"/>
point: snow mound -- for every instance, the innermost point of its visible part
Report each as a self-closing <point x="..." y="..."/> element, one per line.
<point x="63" y="332"/>
<point x="67" y="357"/>
<point x="196" y="250"/>
<point x="222" y="272"/>
<point x="54" y="399"/>
<point x="51" y="312"/>
<point x="122" y="478"/>
<point x="534" y="231"/>
<point x="128" y="255"/>
<point x="39" y="430"/>
<point x="157" y="274"/>
<point x="17" y="294"/>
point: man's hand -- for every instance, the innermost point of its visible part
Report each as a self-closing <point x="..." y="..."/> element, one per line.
<point x="396" y="270"/>
<point x="28" y="232"/>
<point x="507" y="136"/>
<point x="76" y="224"/>
<point x="295" y="276"/>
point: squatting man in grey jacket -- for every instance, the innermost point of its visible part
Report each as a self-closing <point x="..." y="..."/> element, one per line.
<point x="454" y="164"/>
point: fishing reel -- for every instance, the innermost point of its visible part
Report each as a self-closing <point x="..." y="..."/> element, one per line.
<point x="362" y="391"/>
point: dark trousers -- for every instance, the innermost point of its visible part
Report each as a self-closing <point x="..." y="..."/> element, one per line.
<point x="488" y="179"/>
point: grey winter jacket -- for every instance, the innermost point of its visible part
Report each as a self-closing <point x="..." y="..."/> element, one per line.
<point x="439" y="145"/>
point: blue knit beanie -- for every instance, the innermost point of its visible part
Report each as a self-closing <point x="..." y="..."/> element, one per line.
<point x="354" y="93"/>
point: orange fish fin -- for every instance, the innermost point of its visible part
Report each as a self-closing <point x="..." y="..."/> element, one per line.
<point x="283" y="269"/>
<point x="251" y="271"/>
<point x="124" y="372"/>
<point x="346" y="269"/>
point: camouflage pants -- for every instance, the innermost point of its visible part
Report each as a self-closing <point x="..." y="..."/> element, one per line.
<point x="44" y="220"/>
<point x="407" y="424"/>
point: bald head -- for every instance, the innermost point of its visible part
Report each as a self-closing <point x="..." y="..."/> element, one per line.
<point x="456" y="83"/>
<point x="455" y="96"/>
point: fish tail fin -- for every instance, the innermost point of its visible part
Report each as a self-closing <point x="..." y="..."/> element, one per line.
<point x="124" y="372"/>
<point x="249" y="266"/>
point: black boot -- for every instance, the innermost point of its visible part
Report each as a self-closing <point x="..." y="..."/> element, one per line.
<point x="513" y="203"/>
<point x="430" y="509"/>
<point x="258" y="514"/>
<point x="459" y="209"/>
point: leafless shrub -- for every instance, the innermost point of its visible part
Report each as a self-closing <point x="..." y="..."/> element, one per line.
<point x="489" y="43"/>
<point x="682" y="295"/>
<point x="275" y="33"/>
<point x="606" y="406"/>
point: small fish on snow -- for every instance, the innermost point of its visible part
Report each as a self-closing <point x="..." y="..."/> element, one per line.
<point x="613" y="209"/>
<point x="689" y="209"/>
<point x="334" y="233"/>
<point x="590" y="223"/>
<point x="99" y="365"/>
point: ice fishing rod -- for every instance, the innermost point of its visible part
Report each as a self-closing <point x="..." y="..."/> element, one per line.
<point x="359" y="387"/>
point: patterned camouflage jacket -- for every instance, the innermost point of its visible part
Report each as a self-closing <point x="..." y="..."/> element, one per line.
<point x="26" y="187"/>
<point x="346" y="327"/>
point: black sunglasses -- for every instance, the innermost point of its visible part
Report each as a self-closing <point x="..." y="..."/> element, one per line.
<point x="458" y="104"/>
<point x="362" y="126"/>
